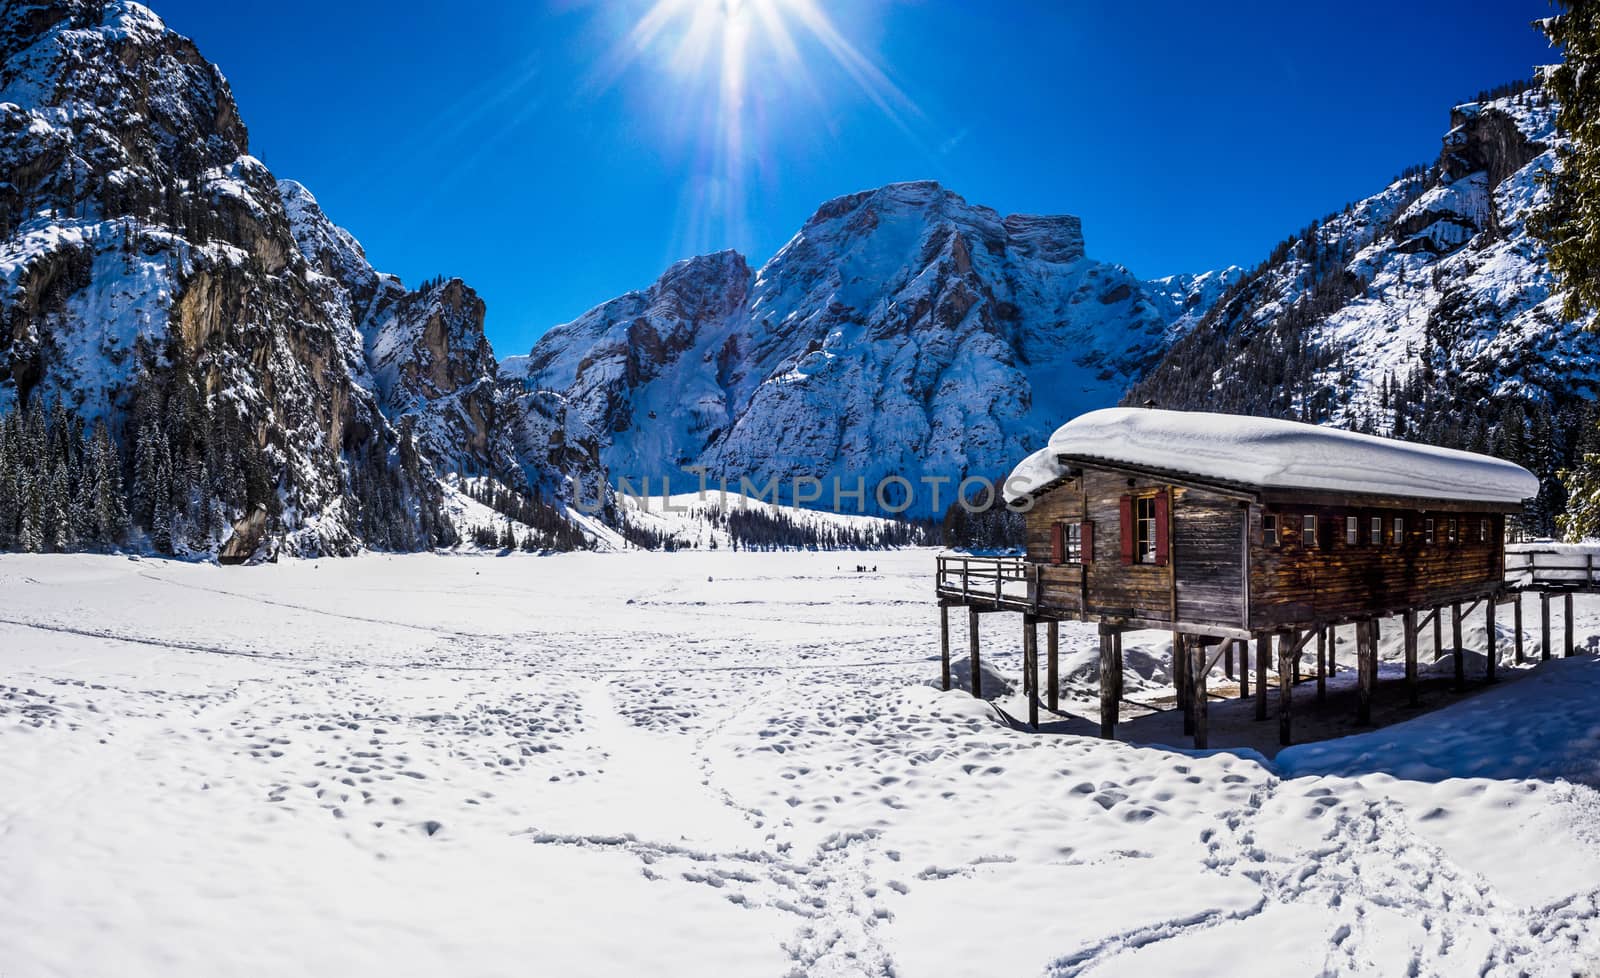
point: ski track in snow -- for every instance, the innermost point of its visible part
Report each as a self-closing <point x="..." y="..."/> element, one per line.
<point x="418" y="765"/>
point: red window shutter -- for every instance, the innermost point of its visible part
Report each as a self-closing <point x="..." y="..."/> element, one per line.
<point x="1163" y="509"/>
<point x="1058" y="546"/>
<point x="1087" y="543"/>
<point x="1127" y="529"/>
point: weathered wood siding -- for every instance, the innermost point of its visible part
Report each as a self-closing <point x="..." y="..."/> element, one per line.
<point x="1208" y="557"/>
<point x="1063" y="504"/>
<point x="1293" y="584"/>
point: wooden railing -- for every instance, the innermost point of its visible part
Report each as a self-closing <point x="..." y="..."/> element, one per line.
<point x="1001" y="580"/>
<point x="1542" y="566"/>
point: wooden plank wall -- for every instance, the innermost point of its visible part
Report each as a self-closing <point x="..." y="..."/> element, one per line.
<point x="1208" y="535"/>
<point x="1294" y="584"/>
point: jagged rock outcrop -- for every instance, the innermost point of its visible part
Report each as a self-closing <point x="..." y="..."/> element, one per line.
<point x="1427" y="310"/>
<point x="902" y="331"/>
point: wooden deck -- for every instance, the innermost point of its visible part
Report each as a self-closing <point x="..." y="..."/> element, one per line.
<point x="1552" y="567"/>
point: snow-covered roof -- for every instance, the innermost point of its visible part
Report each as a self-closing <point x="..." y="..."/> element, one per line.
<point x="1266" y="453"/>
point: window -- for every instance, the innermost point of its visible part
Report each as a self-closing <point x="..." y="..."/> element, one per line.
<point x="1450" y="526"/>
<point x="1399" y="530"/>
<point x="1144" y="530"/>
<point x="1269" y="529"/>
<point x="1070" y="543"/>
<point x="1074" y="543"/>
<point x="1376" y="531"/>
<point x="1483" y="530"/>
<point x="1352" y="530"/>
<point x="1308" y="531"/>
<point x="1427" y="530"/>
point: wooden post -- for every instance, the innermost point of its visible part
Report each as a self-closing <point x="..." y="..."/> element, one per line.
<point x="1198" y="687"/>
<point x="1180" y="673"/>
<point x="1568" y="636"/>
<point x="1322" y="664"/>
<point x="1117" y="671"/>
<point x="1491" y="644"/>
<point x="944" y="646"/>
<point x="1409" y="625"/>
<point x="1108" y="696"/>
<point x="1285" y="685"/>
<point x="1366" y="669"/>
<point x="1227" y="660"/>
<point x="1544" y="625"/>
<point x="972" y="639"/>
<point x="1030" y="667"/>
<point x="1263" y="654"/>
<point x="1192" y="650"/>
<point x="1438" y="632"/>
<point x="1052" y="668"/>
<point x="1333" y="650"/>
<point x="1516" y="623"/>
<point x="1244" y="669"/>
<point x="1457" y="655"/>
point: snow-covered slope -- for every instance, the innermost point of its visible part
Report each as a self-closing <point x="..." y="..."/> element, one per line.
<point x="1427" y="310"/>
<point x="902" y="331"/>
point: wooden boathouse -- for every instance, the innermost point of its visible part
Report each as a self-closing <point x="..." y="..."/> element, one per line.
<point x="1234" y="533"/>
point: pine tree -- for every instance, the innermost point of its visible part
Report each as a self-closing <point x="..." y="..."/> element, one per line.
<point x="1571" y="225"/>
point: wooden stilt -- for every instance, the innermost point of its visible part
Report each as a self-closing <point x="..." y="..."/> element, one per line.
<point x="1227" y="661"/>
<point x="1052" y="667"/>
<point x="1568" y="636"/>
<point x="1333" y="650"/>
<point x="1192" y="651"/>
<point x="1285" y="685"/>
<point x="1409" y="626"/>
<point x="1108" y="696"/>
<point x="1030" y="666"/>
<point x="1244" y="669"/>
<point x="1544" y="625"/>
<point x="1263" y="655"/>
<point x="972" y="638"/>
<point x="1366" y="670"/>
<point x="1117" y="671"/>
<point x="1180" y="672"/>
<point x="1438" y="632"/>
<point x="944" y="646"/>
<point x="1516" y="625"/>
<point x="1322" y="665"/>
<point x="1198" y="685"/>
<point x="1491" y="642"/>
<point x="1457" y="654"/>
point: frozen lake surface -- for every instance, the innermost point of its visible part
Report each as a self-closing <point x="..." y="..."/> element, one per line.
<point x="718" y="764"/>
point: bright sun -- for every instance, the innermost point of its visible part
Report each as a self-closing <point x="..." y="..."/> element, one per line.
<point x="738" y="72"/>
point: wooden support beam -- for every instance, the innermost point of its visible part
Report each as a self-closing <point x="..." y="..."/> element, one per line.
<point x="972" y="640"/>
<point x="1180" y="673"/>
<point x="1366" y="670"/>
<point x="1286" y="655"/>
<point x="1457" y="654"/>
<point x="1516" y="624"/>
<point x="1322" y="664"/>
<point x="1491" y="644"/>
<point x="1568" y="636"/>
<point x="1263" y="654"/>
<point x="1409" y="626"/>
<point x="1030" y="667"/>
<point x="1227" y="667"/>
<point x="1108" y="696"/>
<point x="1438" y="632"/>
<point x="1052" y="659"/>
<point x="1244" y="669"/>
<point x="1333" y="648"/>
<point x="1544" y="625"/>
<point x="1189" y="664"/>
<point x="944" y="646"/>
<point x="1117" y="670"/>
<point x="1198" y="686"/>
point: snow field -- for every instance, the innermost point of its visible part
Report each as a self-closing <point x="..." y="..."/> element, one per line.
<point x="718" y="763"/>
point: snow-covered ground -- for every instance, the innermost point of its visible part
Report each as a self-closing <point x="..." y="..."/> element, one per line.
<point x="718" y="764"/>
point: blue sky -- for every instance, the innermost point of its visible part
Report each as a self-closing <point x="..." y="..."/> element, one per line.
<point x="536" y="151"/>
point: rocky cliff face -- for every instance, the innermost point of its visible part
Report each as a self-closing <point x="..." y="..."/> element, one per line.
<point x="140" y="242"/>
<point x="902" y="331"/>
<point x="1427" y="310"/>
